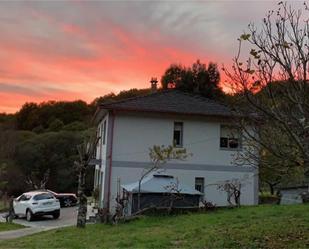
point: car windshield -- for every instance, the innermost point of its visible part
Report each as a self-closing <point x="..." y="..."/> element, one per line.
<point x="43" y="196"/>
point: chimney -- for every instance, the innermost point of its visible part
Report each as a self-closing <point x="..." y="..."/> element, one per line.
<point x="154" y="83"/>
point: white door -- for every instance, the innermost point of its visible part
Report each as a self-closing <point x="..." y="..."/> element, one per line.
<point x="21" y="204"/>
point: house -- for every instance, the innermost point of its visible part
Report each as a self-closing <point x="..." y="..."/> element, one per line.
<point x="128" y="128"/>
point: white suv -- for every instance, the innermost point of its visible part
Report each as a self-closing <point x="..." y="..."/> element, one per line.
<point x="36" y="203"/>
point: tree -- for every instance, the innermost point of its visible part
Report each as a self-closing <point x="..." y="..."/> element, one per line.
<point x="86" y="152"/>
<point x="195" y="79"/>
<point x="159" y="156"/>
<point x="35" y="183"/>
<point x="276" y="70"/>
<point x="55" y="125"/>
<point x="125" y="94"/>
<point x="53" y="151"/>
<point x="233" y="190"/>
<point x="3" y="181"/>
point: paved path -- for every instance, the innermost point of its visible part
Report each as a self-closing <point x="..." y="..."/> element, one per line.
<point x="67" y="218"/>
<point x="13" y="234"/>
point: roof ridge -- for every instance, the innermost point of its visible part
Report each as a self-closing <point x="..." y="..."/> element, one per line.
<point x="159" y="91"/>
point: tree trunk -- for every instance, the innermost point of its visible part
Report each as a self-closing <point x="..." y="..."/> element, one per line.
<point x="272" y="187"/>
<point x="82" y="209"/>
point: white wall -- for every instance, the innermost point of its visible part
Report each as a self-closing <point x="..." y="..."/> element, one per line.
<point x="134" y="135"/>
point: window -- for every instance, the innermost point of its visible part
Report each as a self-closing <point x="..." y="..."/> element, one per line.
<point x="178" y="134"/>
<point x="104" y="132"/>
<point x="24" y="198"/>
<point x="44" y="196"/>
<point x="199" y="184"/>
<point x="230" y="137"/>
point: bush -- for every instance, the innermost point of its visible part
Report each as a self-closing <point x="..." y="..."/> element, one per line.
<point x="268" y="198"/>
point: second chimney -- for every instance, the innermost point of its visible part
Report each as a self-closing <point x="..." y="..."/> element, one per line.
<point x="154" y="83"/>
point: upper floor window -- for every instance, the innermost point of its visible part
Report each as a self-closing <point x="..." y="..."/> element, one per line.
<point x="104" y="132"/>
<point x="178" y="134"/>
<point x="230" y="137"/>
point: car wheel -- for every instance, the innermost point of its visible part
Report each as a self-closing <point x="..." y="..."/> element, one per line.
<point x="29" y="215"/>
<point x="56" y="214"/>
<point x="67" y="202"/>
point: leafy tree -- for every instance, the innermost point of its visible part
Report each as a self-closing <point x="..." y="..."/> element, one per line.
<point x="3" y="181"/>
<point x="198" y="78"/>
<point x="27" y="118"/>
<point x="54" y="152"/>
<point x="31" y="116"/>
<point x="75" y="126"/>
<point x="55" y="125"/>
<point x="125" y="94"/>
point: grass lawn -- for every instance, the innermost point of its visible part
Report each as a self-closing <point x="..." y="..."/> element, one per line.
<point x="247" y="227"/>
<point x="9" y="226"/>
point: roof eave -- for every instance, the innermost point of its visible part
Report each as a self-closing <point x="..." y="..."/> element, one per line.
<point x="168" y="112"/>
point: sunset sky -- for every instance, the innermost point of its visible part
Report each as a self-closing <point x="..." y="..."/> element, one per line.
<point x="67" y="50"/>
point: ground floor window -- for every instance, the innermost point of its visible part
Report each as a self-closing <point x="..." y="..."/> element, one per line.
<point x="199" y="184"/>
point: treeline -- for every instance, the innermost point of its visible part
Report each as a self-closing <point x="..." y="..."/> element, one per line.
<point x="39" y="143"/>
<point x="40" y="140"/>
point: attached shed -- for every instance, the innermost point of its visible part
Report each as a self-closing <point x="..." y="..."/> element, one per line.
<point x="161" y="191"/>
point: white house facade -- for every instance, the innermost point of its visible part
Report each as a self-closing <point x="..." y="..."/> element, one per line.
<point x="129" y="128"/>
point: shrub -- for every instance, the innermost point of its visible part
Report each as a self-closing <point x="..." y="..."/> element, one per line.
<point x="268" y="198"/>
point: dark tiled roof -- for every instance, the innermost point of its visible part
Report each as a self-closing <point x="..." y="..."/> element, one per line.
<point x="171" y="101"/>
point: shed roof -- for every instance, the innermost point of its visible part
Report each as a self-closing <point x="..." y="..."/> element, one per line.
<point x="160" y="184"/>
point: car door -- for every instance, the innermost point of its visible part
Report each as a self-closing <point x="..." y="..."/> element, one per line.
<point x="21" y="204"/>
<point x="17" y="204"/>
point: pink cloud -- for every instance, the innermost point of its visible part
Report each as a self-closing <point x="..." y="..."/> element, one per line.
<point x="87" y="49"/>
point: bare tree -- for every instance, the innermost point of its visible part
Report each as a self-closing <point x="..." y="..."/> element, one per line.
<point x="35" y="183"/>
<point x="233" y="190"/>
<point x="273" y="82"/>
<point x="86" y="151"/>
<point x="159" y="156"/>
<point x="174" y="194"/>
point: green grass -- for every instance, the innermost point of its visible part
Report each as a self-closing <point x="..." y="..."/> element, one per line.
<point x="247" y="227"/>
<point x="9" y="226"/>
